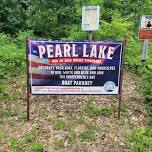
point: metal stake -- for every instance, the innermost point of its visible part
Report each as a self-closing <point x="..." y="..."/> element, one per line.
<point x="121" y="80"/>
<point x="144" y="50"/>
<point x="28" y="92"/>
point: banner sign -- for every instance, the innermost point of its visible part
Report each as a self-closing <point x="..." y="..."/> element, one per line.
<point x="145" y="31"/>
<point x="74" y="67"/>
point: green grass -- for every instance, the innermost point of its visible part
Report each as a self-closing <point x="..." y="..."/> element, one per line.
<point x="30" y="137"/>
<point x="77" y="119"/>
<point x="6" y="112"/>
<point x="17" y="145"/>
<point x="28" y="143"/>
<point x="140" y="140"/>
<point x="22" y="116"/>
<point x="59" y="124"/>
<point x="37" y="147"/>
<point x="2" y="136"/>
<point x="59" y="143"/>
<point x="93" y="111"/>
<point x="72" y="136"/>
<point x="88" y="134"/>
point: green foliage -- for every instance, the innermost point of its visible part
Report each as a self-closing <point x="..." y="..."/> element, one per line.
<point x="134" y="9"/>
<point x="132" y="61"/>
<point x="59" y="124"/>
<point x="11" y="61"/>
<point x="56" y="21"/>
<point x="21" y="37"/>
<point x="37" y="147"/>
<point x="76" y="34"/>
<point x="6" y="112"/>
<point x="88" y="134"/>
<point x="149" y="131"/>
<point x="59" y="143"/>
<point x="147" y="89"/>
<point x="30" y="137"/>
<point x="138" y="140"/>
<point x="22" y="116"/>
<point x="12" y="16"/>
<point x="12" y="55"/>
<point x="12" y="58"/>
<point x="2" y="88"/>
<point x="17" y="145"/>
<point x="4" y="39"/>
<point x="149" y="110"/>
<point x="93" y="111"/>
<point x="76" y="119"/>
<point x="117" y="29"/>
<point x="21" y="144"/>
<point x="72" y="138"/>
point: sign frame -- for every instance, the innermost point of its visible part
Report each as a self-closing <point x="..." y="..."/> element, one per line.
<point x="120" y="81"/>
<point x="87" y="25"/>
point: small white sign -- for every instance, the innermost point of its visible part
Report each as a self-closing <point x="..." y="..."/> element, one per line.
<point x="90" y="18"/>
<point x="146" y="22"/>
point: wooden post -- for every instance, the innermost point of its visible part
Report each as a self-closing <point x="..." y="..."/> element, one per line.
<point x="28" y="92"/>
<point x="121" y="79"/>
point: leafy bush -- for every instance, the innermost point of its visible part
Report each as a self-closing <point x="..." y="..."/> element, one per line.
<point x="117" y="29"/>
<point x="12" y="60"/>
<point x="21" y="37"/>
<point x="139" y="140"/>
<point x="4" y="39"/>
<point x="147" y="86"/>
<point x="12" y="53"/>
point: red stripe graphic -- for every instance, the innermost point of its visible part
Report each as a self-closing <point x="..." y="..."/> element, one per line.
<point x="37" y="64"/>
<point x="40" y="76"/>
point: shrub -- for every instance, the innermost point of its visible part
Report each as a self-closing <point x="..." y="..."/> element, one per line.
<point x="139" y="140"/>
<point x="12" y="60"/>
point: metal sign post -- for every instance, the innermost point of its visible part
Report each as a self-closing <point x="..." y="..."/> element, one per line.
<point x="90" y="36"/>
<point x="121" y="79"/>
<point x="28" y="92"/>
<point x="144" y="50"/>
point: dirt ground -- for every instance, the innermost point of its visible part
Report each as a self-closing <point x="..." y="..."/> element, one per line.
<point x="108" y="136"/>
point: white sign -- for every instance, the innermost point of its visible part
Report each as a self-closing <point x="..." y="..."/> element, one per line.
<point x="90" y="18"/>
<point x="146" y="22"/>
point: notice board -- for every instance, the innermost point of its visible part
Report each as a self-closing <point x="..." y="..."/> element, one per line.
<point x="145" y="30"/>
